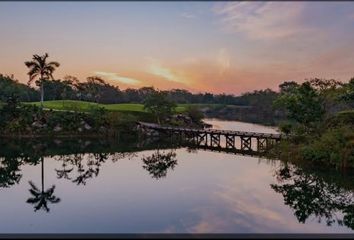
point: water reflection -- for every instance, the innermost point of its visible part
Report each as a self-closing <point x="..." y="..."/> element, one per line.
<point x="158" y="163"/>
<point x="309" y="194"/>
<point x="41" y="198"/>
<point x="10" y="172"/>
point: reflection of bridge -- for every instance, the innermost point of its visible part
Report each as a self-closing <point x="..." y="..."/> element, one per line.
<point x="218" y="140"/>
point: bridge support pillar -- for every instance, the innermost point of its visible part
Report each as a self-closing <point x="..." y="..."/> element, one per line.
<point x="230" y="141"/>
<point x="261" y="144"/>
<point x="215" y="140"/>
<point x="202" y="139"/>
<point x="246" y="143"/>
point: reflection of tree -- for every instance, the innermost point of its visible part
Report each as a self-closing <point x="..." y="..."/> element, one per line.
<point x="87" y="166"/>
<point x="159" y="162"/>
<point x="41" y="198"/>
<point x="9" y="172"/>
<point x="309" y="194"/>
<point x="63" y="173"/>
<point x="122" y="155"/>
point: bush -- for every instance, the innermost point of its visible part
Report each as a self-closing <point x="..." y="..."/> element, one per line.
<point x="335" y="147"/>
<point x="195" y="114"/>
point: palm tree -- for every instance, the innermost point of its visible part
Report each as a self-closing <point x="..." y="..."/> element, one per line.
<point x="41" y="69"/>
<point x="41" y="198"/>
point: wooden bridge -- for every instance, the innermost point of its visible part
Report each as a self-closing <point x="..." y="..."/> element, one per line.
<point x="226" y="140"/>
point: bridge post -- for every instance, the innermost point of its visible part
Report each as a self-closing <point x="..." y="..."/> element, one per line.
<point x="230" y="141"/>
<point x="246" y="143"/>
<point x="261" y="144"/>
<point x="202" y="137"/>
<point x="215" y="140"/>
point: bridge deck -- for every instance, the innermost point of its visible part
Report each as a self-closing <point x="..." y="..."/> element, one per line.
<point x="211" y="131"/>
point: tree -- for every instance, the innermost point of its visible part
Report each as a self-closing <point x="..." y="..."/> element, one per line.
<point x="39" y="67"/>
<point x="94" y="84"/>
<point x="303" y="105"/>
<point x="159" y="105"/>
<point x="287" y="87"/>
<point x="10" y="86"/>
<point x="323" y="85"/>
<point x="348" y="95"/>
<point x="195" y="114"/>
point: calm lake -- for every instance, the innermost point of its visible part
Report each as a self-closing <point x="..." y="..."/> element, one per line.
<point x="100" y="186"/>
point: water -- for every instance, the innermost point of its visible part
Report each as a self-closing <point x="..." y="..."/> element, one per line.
<point x="121" y="187"/>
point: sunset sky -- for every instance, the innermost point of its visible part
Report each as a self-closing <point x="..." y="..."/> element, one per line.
<point x="230" y="47"/>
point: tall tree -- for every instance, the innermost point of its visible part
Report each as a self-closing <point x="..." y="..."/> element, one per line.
<point x="303" y="105"/>
<point x="41" y="69"/>
<point x="159" y="105"/>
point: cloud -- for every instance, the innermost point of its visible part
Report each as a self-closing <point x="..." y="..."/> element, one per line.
<point x="156" y="68"/>
<point x="116" y="77"/>
<point x="263" y="20"/>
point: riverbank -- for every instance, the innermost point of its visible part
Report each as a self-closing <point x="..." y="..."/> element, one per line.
<point x="32" y="121"/>
<point x="91" y="120"/>
<point x="330" y="145"/>
<point x="221" y="111"/>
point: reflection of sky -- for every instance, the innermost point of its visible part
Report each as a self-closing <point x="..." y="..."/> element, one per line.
<point x="206" y="192"/>
<point x="240" y="126"/>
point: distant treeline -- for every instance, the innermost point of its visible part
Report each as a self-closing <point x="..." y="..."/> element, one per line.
<point x="95" y="89"/>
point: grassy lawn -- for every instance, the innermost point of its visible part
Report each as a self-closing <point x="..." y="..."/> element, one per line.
<point x="83" y="106"/>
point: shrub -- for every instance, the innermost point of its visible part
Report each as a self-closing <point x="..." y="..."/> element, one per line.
<point x="195" y="114"/>
<point x="335" y="147"/>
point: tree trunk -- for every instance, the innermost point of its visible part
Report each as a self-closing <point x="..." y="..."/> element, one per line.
<point x="42" y="174"/>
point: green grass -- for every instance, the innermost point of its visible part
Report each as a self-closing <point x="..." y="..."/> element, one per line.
<point x="82" y="106"/>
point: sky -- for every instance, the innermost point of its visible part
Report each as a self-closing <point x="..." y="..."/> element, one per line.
<point x="219" y="47"/>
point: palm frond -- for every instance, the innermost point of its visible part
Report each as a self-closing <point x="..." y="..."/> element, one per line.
<point x="33" y="200"/>
<point x="31" y="64"/>
<point x="32" y="78"/>
<point x="33" y="70"/>
<point x="33" y="186"/>
<point x="54" y="64"/>
<point x="54" y="199"/>
<point x="34" y="193"/>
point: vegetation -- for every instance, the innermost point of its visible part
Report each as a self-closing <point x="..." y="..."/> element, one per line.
<point x="159" y="105"/>
<point x="195" y="114"/>
<point x="134" y="108"/>
<point x="316" y="195"/>
<point x="10" y="87"/>
<point x="28" y="120"/>
<point x="320" y="123"/>
<point x="41" y="69"/>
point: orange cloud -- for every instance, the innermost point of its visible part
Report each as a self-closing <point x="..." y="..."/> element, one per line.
<point x="116" y="77"/>
<point x="156" y="68"/>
